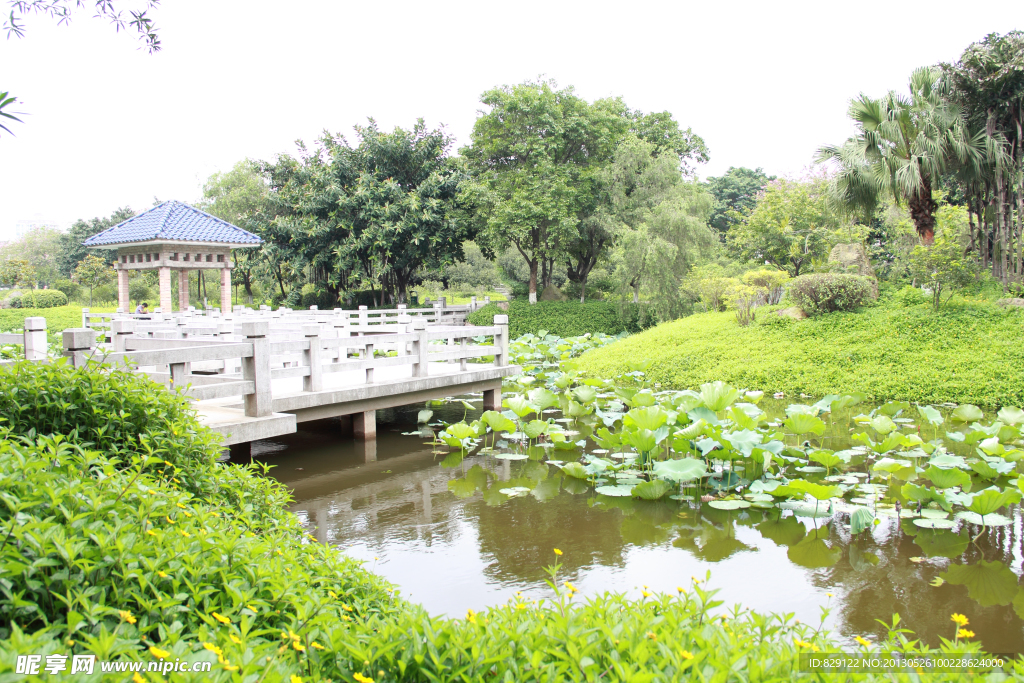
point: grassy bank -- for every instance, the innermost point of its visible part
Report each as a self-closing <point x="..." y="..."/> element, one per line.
<point x="124" y="538"/>
<point x="967" y="353"/>
<point x="57" y="319"/>
<point x="569" y="318"/>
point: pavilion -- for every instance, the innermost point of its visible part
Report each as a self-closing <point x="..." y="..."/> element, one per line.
<point x="173" y="236"/>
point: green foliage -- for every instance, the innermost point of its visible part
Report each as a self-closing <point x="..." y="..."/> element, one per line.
<point x="897" y="353"/>
<point x="735" y="196"/>
<point x="93" y="272"/>
<point x="943" y="267"/>
<point x="569" y="318"/>
<point x="820" y="293"/>
<point x="72" y="252"/>
<point x="39" y="298"/>
<point x="791" y="227"/>
<point x="16" y="272"/>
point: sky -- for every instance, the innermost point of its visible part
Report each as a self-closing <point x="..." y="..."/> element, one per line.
<point x="108" y="125"/>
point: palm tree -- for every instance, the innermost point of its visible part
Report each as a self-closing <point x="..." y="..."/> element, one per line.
<point x="902" y="147"/>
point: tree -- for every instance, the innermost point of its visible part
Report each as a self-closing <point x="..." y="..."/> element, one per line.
<point x="374" y="213"/>
<point x="662" y="223"/>
<point x="944" y="267"/>
<point x="39" y="247"/>
<point x="988" y="83"/>
<point x="6" y="101"/>
<point x="239" y="196"/>
<point x="790" y="227"/>
<point x="735" y="195"/>
<point x="17" y="273"/>
<point x="902" y="147"/>
<point x="535" y="156"/>
<point x="71" y="252"/>
<point x="92" y="272"/>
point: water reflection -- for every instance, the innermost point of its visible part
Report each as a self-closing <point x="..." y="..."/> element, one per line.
<point x="454" y="535"/>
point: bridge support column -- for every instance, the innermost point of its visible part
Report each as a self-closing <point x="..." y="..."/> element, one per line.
<point x="369" y="448"/>
<point x="364" y="425"/>
<point x="492" y="398"/>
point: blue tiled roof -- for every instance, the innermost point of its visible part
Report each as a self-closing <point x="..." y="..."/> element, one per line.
<point x="173" y="221"/>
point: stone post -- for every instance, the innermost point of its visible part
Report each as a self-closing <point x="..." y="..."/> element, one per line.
<point x="256" y="369"/>
<point x="78" y="343"/>
<point x="472" y="303"/>
<point x="85" y="317"/>
<point x="363" y="316"/>
<point x="182" y="290"/>
<point x="492" y="397"/>
<point x="462" y="361"/>
<point x="501" y="340"/>
<point x="225" y="289"/>
<point x="314" y="381"/>
<point x="35" y="339"/>
<point x="123" y="299"/>
<point x="368" y="355"/>
<point x="419" y="348"/>
<point x="165" y="289"/>
<point x="121" y="330"/>
<point x="364" y="425"/>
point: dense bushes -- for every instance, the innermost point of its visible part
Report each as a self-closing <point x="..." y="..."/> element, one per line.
<point x="570" y="318"/>
<point x="968" y="353"/>
<point x="829" y="292"/>
<point x="38" y="298"/>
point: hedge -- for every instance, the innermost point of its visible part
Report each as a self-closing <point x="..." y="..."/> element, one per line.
<point x="569" y="318"/>
<point x="39" y="298"/>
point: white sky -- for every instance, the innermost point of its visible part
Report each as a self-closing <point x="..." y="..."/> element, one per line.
<point x="109" y="125"/>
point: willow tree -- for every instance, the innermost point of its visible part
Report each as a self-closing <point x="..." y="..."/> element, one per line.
<point x="902" y="147"/>
<point x="661" y="222"/>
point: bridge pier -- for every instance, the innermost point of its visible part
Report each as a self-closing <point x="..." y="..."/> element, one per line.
<point x="364" y="425"/>
<point x="492" y="398"/>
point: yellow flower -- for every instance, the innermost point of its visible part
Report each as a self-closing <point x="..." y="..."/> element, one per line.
<point x="964" y="633"/>
<point x="187" y="513"/>
<point x="213" y="648"/>
<point x="158" y="653"/>
<point x="235" y="639"/>
<point x="686" y="655"/>
<point x="862" y="641"/>
<point x="680" y="589"/>
<point x="169" y="520"/>
<point x="220" y="617"/>
<point x="801" y="643"/>
<point x="359" y="677"/>
<point x="520" y="605"/>
<point x="347" y="608"/>
<point x="181" y="506"/>
<point x="150" y="532"/>
<point x="229" y="667"/>
<point x="571" y="587"/>
<point x="186" y="534"/>
<point x="828" y="594"/>
<point x="558" y="552"/>
<point x="137" y="678"/>
<point x="471" y="616"/>
<point x="645" y="594"/>
<point x="252" y="608"/>
<point x="317" y="646"/>
<point x="960" y="619"/>
<point x="126" y="616"/>
<point x="295" y="679"/>
<point x="650" y="634"/>
<point x="298" y="646"/>
<point x="162" y="575"/>
<point x="332" y="594"/>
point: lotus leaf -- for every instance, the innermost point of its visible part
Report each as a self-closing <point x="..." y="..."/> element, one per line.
<point x="574" y="409"/>
<point x="991" y="499"/>
<point x="930" y="414"/>
<point x="802" y="423"/>
<point x="514" y="491"/>
<point x="811" y="469"/>
<point x="761" y="486"/>
<point x="991" y="519"/>
<point x="988" y="583"/>
<point x="828" y="458"/>
<point x="585" y="394"/>
<point x="892" y="408"/>
<point x="534" y="428"/>
<point x="860" y="520"/>
<point x="498" y="422"/>
<point x="759" y="498"/>
<point x="424" y="416"/>
<point x="941" y="543"/>
<point x="725" y="481"/>
<point x="693" y="430"/>
<point x="801" y="409"/>
<point x="825" y="404"/>
<point x="946" y="461"/>
<point x="651" y="490"/>
<point x="642" y="440"/>
<point x="729" y="504"/>
<point x="645" y="418"/>
<point x="891" y="465"/>
<point x="929" y="523"/>
<point x="511" y="456"/>
<point x="816" y="491"/>
<point x="1011" y="415"/>
<point x="743" y="441"/>
<point x="575" y="470"/>
<point x="967" y="413"/>
<point x="684" y="469"/>
<point x="685" y="401"/>
<point x="882" y="424"/>
<point x="754" y="396"/>
<point x="923" y="494"/>
<point x="784" y="532"/>
<point x="642" y="399"/>
<point x="718" y="396"/>
<point x="519" y="405"/>
<point x="615" y="491"/>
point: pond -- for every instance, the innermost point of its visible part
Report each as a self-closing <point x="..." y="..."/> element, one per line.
<point x="465" y="531"/>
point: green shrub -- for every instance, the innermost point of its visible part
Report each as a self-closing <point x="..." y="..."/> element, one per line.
<point x="569" y="318"/>
<point x="965" y="353"/>
<point x="39" y="298"/>
<point x="71" y="289"/>
<point x="908" y="296"/>
<point x="820" y="293"/>
<point x="320" y="298"/>
<point x="138" y="290"/>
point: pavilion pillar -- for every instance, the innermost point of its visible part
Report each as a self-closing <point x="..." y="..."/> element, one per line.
<point x="182" y="290"/>
<point x="225" y="290"/>
<point x="123" y="300"/>
<point x="165" y="289"/>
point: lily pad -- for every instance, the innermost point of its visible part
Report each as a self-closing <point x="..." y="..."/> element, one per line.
<point x="511" y="456"/>
<point x="514" y="491"/>
<point x="991" y="519"/>
<point x="810" y="469"/>
<point x="729" y="504"/>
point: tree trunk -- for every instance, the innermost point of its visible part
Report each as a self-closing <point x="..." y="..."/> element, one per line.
<point x="922" y="212"/>
<point x="636" y="293"/>
<point x="533" y="280"/>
